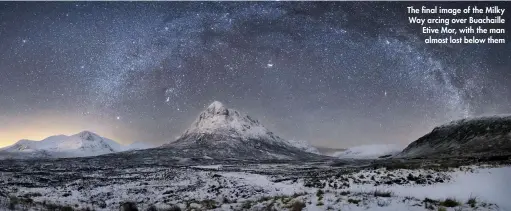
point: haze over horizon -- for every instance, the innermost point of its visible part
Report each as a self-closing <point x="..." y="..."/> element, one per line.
<point x="336" y="74"/>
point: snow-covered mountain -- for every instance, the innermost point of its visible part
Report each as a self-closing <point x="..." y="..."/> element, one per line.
<point x="220" y="132"/>
<point x="304" y="145"/>
<point x="482" y="136"/>
<point x="369" y="151"/>
<point x="217" y="119"/>
<point x="79" y="145"/>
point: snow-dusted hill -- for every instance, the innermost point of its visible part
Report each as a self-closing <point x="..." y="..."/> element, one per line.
<point x="223" y="133"/>
<point x="304" y="145"/>
<point x="369" y="151"/>
<point x="484" y="136"/>
<point x="79" y="145"/>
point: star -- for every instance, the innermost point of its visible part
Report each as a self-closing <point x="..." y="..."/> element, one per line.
<point x="278" y="62"/>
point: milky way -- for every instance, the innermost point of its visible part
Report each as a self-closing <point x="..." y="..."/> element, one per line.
<point x="335" y="74"/>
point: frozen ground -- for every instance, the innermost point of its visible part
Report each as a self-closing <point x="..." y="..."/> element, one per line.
<point x="105" y="183"/>
<point x="485" y="184"/>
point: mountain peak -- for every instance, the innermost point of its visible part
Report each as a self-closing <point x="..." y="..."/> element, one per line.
<point x="87" y="135"/>
<point x="217" y="108"/>
<point x="218" y="119"/>
<point x="216" y="104"/>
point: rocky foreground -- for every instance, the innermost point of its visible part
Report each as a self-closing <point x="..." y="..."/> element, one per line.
<point x="102" y="183"/>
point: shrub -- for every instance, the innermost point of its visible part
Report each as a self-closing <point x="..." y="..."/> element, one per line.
<point x="225" y="200"/>
<point x="66" y="208"/>
<point x="378" y="193"/>
<point x="102" y="204"/>
<point x="354" y="201"/>
<point x="297" y="206"/>
<point x="472" y="201"/>
<point x="129" y="206"/>
<point x="429" y="206"/>
<point x="428" y="200"/>
<point x="449" y="202"/>
<point x="320" y="193"/>
<point x="11" y="206"/>
<point x="152" y="208"/>
<point x="246" y="205"/>
<point x="442" y="209"/>
<point x="344" y="193"/>
<point x="209" y="204"/>
<point x="173" y="208"/>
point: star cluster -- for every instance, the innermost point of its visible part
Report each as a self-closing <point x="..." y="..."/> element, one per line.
<point x="333" y="73"/>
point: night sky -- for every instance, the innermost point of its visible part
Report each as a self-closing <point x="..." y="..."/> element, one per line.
<point x="334" y="74"/>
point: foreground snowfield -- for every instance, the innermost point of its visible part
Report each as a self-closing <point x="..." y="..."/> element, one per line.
<point x="491" y="185"/>
<point x="284" y="186"/>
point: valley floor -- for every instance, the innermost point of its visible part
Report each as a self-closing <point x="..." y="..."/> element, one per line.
<point x="69" y="185"/>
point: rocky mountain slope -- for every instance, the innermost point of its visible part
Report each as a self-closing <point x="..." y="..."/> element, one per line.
<point x="79" y="145"/>
<point x="224" y="133"/>
<point x="485" y="136"/>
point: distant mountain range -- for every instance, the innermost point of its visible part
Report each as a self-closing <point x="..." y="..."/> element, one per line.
<point x="82" y="144"/>
<point x="223" y="133"/>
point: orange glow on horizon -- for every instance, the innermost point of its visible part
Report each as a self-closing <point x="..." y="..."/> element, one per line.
<point x="41" y="126"/>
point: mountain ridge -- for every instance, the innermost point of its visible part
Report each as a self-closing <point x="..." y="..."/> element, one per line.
<point x="479" y="136"/>
<point x="82" y="144"/>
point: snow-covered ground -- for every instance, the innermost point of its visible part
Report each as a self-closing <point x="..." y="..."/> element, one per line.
<point x="485" y="184"/>
<point x="312" y="186"/>
<point x="369" y="151"/>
